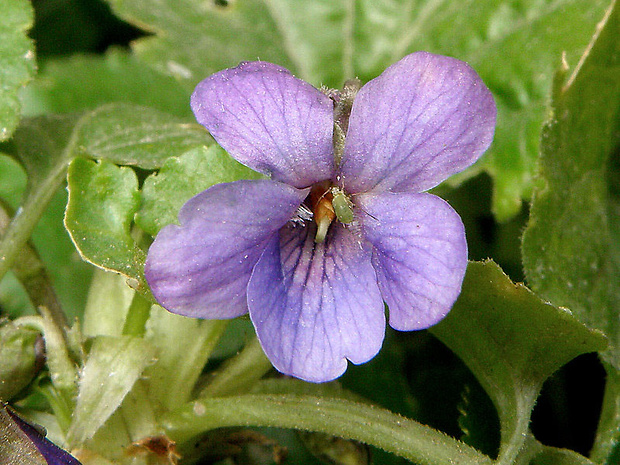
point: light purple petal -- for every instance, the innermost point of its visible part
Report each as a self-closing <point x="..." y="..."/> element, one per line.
<point x="270" y="121"/>
<point x="202" y="267"/>
<point x="420" y="255"/>
<point x="316" y="305"/>
<point x="425" y="118"/>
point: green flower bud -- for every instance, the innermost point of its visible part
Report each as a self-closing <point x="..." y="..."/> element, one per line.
<point x="18" y="359"/>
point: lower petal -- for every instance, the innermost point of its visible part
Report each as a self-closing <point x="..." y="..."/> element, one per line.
<point x="201" y="267"/>
<point x="420" y="255"/>
<point x="316" y="305"/>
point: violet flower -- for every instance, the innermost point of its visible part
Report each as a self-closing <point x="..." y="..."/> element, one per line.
<point x="343" y="224"/>
<point x="27" y="443"/>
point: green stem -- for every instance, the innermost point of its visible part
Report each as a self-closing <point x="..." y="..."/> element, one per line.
<point x="339" y="417"/>
<point x="607" y="438"/>
<point x="138" y="414"/>
<point x="37" y="197"/>
<point x="62" y="369"/>
<point x="20" y="229"/>
<point x="62" y="390"/>
<point x="189" y="365"/>
<point x="62" y="409"/>
<point x="137" y="316"/>
<point x="515" y="425"/>
<point x="239" y="373"/>
<point x="32" y="274"/>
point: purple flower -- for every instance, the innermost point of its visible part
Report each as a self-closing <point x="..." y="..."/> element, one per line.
<point x="27" y="443"/>
<point x="343" y="224"/>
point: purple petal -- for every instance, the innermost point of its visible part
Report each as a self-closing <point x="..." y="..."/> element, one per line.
<point x="201" y="268"/>
<point x="52" y="454"/>
<point x="270" y="121"/>
<point x="424" y="119"/>
<point x="420" y="255"/>
<point x="315" y="305"/>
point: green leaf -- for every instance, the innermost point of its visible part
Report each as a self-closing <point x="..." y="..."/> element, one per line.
<point x="194" y="38"/>
<point x="84" y="82"/>
<point x="103" y="198"/>
<point x="134" y="135"/>
<point x="43" y="146"/>
<point x="181" y="178"/>
<point x="570" y="247"/>
<point x="512" y="341"/>
<point x="17" y="61"/>
<point x="102" y="201"/>
<point x="113" y="365"/>
<point x="122" y="133"/>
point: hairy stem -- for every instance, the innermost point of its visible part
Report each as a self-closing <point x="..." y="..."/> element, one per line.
<point x="137" y="316"/>
<point x="31" y="273"/>
<point x="19" y="230"/>
<point x="606" y="443"/>
<point x="239" y="373"/>
<point x="338" y="417"/>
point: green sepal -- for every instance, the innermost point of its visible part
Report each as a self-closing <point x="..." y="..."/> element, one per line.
<point x="112" y="367"/>
<point x="18" y="358"/>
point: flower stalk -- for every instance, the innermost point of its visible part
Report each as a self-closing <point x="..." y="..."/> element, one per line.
<point x="343" y="418"/>
<point x="238" y="374"/>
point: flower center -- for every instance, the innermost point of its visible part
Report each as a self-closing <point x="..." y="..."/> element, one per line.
<point x="327" y="203"/>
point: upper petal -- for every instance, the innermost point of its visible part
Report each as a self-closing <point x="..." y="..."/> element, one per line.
<point x="425" y="118"/>
<point x="201" y="268"/>
<point x="269" y="120"/>
<point x="315" y="305"/>
<point x="420" y="255"/>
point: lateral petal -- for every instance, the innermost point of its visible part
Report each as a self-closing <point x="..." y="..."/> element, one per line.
<point x="201" y="267"/>
<point x="316" y="305"/>
<point x="424" y="119"/>
<point x="269" y="120"/>
<point x="420" y="255"/>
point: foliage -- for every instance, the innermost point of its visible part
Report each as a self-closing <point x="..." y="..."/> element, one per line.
<point x="100" y="151"/>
